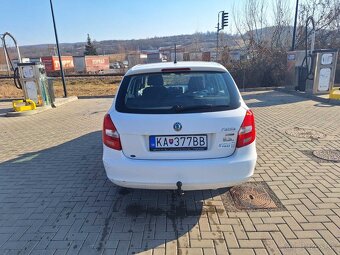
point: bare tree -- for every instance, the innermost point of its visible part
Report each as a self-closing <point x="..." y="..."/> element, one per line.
<point x="264" y="48"/>
<point x="197" y="42"/>
<point x="282" y="18"/>
<point x="250" y="22"/>
<point x="326" y="14"/>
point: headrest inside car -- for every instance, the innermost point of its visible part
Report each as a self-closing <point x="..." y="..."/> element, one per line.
<point x="155" y="80"/>
<point x="195" y="84"/>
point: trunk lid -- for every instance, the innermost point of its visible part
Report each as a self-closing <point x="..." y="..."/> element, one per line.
<point x="220" y="127"/>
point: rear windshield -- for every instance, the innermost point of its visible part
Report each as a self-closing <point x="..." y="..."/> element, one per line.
<point x="179" y="92"/>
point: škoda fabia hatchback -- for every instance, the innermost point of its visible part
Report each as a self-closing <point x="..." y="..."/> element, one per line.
<point x="177" y="124"/>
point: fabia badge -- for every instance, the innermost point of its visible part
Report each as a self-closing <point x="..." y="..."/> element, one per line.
<point x="177" y="126"/>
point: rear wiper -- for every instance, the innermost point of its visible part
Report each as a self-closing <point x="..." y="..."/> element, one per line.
<point x="181" y="108"/>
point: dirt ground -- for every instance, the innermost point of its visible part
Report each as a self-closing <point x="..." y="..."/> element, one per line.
<point x="84" y="86"/>
<point x="88" y="86"/>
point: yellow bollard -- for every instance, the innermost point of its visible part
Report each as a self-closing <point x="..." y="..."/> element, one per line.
<point x="29" y="105"/>
<point x="333" y="94"/>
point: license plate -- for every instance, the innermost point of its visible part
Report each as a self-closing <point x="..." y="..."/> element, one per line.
<point x="178" y="142"/>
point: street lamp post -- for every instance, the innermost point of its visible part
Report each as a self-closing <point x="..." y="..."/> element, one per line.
<point x="295" y="21"/>
<point x="59" y="56"/>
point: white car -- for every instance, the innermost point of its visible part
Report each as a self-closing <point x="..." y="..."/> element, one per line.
<point x="179" y="126"/>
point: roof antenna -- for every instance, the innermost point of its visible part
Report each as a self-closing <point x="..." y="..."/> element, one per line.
<point x="175" y="60"/>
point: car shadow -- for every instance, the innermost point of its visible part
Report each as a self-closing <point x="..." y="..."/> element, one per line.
<point x="270" y="98"/>
<point x="60" y="198"/>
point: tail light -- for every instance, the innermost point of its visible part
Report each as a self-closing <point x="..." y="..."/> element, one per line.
<point x="246" y="134"/>
<point x="110" y="135"/>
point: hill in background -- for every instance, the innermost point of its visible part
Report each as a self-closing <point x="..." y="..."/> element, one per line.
<point x="193" y="42"/>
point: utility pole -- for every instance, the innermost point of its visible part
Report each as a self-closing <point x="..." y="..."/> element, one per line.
<point x="224" y="23"/>
<point x="59" y="56"/>
<point x="295" y="21"/>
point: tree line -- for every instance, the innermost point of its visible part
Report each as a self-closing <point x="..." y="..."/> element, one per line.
<point x="265" y="47"/>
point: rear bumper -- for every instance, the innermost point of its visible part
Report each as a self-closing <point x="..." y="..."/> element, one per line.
<point x="194" y="174"/>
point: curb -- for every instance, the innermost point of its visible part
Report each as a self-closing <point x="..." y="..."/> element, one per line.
<point x="58" y="102"/>
<point x="259" y="89"/>
<point x="92" y="97"/>
<point x="28" y="113"/>
<point x="64" y="100"/>
<point x="309" y="96"/>
<point x="10" y="99"/>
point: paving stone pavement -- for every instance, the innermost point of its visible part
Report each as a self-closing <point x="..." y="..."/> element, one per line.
<point x="55" y="197"/>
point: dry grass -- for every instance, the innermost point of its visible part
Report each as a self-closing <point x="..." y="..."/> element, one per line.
<point x="84" y="86"/>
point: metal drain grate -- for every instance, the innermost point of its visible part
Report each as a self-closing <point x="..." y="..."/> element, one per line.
<point x="251" y="196"/>
<point x="319" y="156"/>
<point x="305" y="133"/>
<point x="328" y="155"/>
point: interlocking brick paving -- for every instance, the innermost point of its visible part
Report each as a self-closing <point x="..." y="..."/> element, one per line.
<point x="55" y="197"/>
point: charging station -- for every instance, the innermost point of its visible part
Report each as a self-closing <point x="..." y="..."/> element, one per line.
<point x="31" y="78"/>
<point x="316" y="77"/>
<point x="311" y="70"/>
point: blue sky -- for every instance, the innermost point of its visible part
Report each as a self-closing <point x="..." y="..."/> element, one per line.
<point x="31" y="23"/>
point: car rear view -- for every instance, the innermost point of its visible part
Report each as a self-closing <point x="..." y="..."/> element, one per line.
<point x="179" y="123"/>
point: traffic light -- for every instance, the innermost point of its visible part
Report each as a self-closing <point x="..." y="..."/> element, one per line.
<point x="224" y="19"/>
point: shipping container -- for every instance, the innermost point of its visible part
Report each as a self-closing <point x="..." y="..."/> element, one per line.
<point x="195" y="56"/>
<point x="154" y="57"/>
<point x="52" y="63"/>
<point x="136" y="59"/>
<point x="91" y="64"/>
<point x="95" y="64"/>
<point x="179" y="56"/>
<point x="206" y="56"/>
<point x="79" y="64"/>
<point x="186" y="56"/>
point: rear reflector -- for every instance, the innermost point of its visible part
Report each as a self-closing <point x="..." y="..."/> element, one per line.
<point x="246" y="134"/>
<point x="110" y="135"/>
<point x="172" y="70"/>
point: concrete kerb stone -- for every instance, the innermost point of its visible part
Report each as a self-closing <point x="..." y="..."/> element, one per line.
<point x="64" y="100"/>
<point x="58" y="102"/>
<point x="309" y="96"/>
<point x="27" y="113"/>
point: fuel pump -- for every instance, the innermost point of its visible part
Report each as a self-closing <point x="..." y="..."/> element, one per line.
<point x="311" y="70"/>
<point x="30" y="78"/>
<point x="33" y="81"/>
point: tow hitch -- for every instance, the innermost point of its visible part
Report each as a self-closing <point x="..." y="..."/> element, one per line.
<point x="180" y="192"/>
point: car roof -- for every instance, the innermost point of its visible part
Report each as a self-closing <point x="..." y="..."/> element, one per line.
<point x="194" y="66"/>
